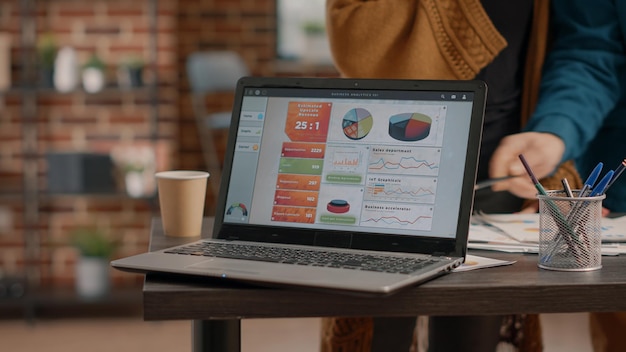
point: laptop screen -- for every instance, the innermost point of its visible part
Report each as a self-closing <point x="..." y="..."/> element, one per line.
<point x="352" y="156"/>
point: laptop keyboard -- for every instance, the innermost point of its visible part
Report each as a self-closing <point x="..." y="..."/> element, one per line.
<point x="378" y="263"/>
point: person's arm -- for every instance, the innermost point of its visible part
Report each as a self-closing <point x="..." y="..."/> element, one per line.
<point x="580" y="86"/>
<point x="411" y="39"/>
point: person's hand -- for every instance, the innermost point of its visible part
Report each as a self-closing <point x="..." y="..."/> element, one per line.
<point x="542" y="151"/>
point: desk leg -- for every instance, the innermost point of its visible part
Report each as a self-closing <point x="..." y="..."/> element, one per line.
<point x="216" y="335"/>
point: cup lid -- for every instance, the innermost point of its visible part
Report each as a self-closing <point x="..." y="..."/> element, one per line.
<point x="182" y="174"/>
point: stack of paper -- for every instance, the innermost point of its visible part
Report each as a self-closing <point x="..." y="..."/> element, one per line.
<point x="519" y="233"/>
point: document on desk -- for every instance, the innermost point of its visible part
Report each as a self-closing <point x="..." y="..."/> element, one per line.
<point x="614" y="229"/>
<point x="519" y="233"/>
<point x="524" y="228"/>
<point x="473" y="262"/>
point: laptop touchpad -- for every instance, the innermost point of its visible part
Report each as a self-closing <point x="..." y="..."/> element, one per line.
<point x="221" y="265"/>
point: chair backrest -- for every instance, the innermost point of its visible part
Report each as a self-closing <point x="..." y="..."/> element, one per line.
<point x="211" y="71"/>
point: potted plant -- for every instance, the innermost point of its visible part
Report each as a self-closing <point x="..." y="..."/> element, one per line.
<point x="93" y="74"/>
<point x="46" y="55"/>
<point x="137" y="165"/>
<point x="130" y="72"/>
<point x="95" y="250"/>
<point x="314" y="28"/>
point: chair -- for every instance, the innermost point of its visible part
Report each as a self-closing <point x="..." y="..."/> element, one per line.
<point x="212" y="72"/>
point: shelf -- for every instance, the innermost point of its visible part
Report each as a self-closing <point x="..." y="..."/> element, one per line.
<point x="33" y="100"/>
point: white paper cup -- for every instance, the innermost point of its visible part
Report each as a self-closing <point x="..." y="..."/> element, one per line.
<point x="181" y="198"/>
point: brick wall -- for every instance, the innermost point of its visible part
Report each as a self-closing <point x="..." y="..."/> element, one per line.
<point x="37" y="240"/>
<point x="79" y="121"/>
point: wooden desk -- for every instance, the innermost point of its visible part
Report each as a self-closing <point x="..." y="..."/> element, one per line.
<point x="216" y="307"/>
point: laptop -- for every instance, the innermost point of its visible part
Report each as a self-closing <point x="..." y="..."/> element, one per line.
<point x="349" y="185"/>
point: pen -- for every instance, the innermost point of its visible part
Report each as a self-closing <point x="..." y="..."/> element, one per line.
<point x="599" y="189"/>
<point x="589" y="182"/>
<point x="596" y="191"/>
<point x="602" y="185"/>
<point x="567" y="188"/>
<point x="591" y="179"/>
<point x="618" y="172"/>
<point x="568" y="192"/>
<point x="492" y="181"/>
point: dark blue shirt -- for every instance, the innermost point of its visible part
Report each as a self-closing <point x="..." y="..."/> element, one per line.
<point x="504" y="76"/>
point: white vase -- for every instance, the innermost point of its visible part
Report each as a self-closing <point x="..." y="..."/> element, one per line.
<point x="92" y="277"/>
<point x="66" y="76"/>
<point x="135" y="186"/>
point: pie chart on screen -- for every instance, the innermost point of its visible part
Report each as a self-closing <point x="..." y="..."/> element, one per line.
<point x="409" y="127"/>
<point x="357" y="123"/>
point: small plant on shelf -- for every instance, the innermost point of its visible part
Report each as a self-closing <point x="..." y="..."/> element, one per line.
<point x="93" y="242"/>
<point x="94" y="74"/>
<point x="47" y="49"/>
<point x="95" y="62"/>
<point x="314" y="28"/>
<point x="136" y="165"/>
<point x="130" y="72"/>
<point x="92" y="267"/>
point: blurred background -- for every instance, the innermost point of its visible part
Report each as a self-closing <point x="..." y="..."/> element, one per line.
<point x="94" y="98"/>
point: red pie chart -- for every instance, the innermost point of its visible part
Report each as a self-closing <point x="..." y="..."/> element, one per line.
<point x="409" y="127"/>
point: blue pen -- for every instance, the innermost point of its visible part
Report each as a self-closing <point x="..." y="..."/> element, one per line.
<point x="601" y="186"/>
<point x="597" y="190"/>
<point x="591" y="180"/>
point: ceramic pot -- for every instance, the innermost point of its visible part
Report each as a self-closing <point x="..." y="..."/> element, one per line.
<point x="92" y="277"/>
<point x="134" y="184"/>
<point x="93" y="80"/>
<point x="130" y="77"/>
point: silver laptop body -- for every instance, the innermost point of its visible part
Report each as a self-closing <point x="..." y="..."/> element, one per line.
<point x="346" y="169"/>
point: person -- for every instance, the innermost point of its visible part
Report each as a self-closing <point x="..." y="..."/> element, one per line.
<point x="579" y="115"/>
<point x="582" y="104"/>
<point x="500" y="42"/>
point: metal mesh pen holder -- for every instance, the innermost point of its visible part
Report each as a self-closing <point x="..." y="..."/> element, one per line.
<point x="570" y="232"/>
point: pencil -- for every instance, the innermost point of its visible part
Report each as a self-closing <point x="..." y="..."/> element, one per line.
<point x="530" y="172"/>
